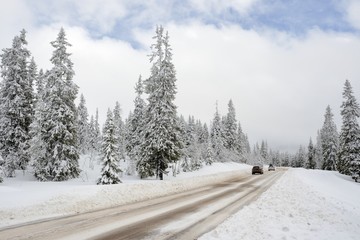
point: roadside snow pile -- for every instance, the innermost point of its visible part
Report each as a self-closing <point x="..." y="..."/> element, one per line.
<point x="303" y="204"/>
<point x="24" y="199"/>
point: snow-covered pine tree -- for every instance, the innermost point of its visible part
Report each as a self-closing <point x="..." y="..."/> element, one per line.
<point x="39" y="84"/>
<point x="286" y="160"/>
<point x="216" y="136"/>
<point x="242" y="144"/>
<point x="92" y="143"/>
<point x="37" y="145"/>
<point x="349" y="147"/>
<point x="329" y="141"/>
<point x="1" y="169"/>
<point x="161" y="144"/>
<point x="59" y="126"/>
<point x="192" y="150"/>
<point x="230" y="127"/>
<point x="33" y="76"/>
<point x="109" y="150"/>
<point x="247" y="144"/>
<point x="16" y="110"/>
<point x="209" y="154"/>
<point x="184" y="164"/>
<point x="202" y="140"/>
<point x="310" y="162"/>
<point x="199" y="131"/>
<point x="131" y="166"/>
<point x="264" y="150"/>
<point x="134" y="132"/>
<point x="83" y="126"/>
<point x="92" y="134"/>
<point x="205" y="135"/>
<point x="300" y="158"/>
<point x="97" y="131"/>
<point x="276" y="158"/>
<point x="187" y="136"/>
<point x="319" y="159"/>
<point x="119" y="131"/>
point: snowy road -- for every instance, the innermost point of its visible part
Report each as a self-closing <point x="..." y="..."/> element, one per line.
<point x="182" y="216"/>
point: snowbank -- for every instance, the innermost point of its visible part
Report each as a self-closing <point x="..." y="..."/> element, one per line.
<point x="303" y="204"/>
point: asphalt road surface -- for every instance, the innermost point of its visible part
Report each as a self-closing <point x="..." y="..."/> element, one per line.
<point x="186" y="215"/>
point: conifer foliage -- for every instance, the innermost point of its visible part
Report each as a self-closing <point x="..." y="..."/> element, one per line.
<point x="58" y="130"/>
<point x="349" y="147"/>
<point x="119" y="130"/>
<point x="230" y="127"/>
<point x="310" y="163"/>
<point x="83" y="128"/>
<point x="161" y="137"/>
<point x="135" y="128"/>
<point x="217" y="137"/>
<point x="329" y="141"/>
<point x="109" y="150"/>
<point x="37" y="145"/>
<point x="16" y="109"/>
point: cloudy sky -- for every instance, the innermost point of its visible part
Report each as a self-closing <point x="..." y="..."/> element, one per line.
<point x="280" y="61"/>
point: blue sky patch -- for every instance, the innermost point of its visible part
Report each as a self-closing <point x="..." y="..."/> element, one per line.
<point x="295" y="17"/>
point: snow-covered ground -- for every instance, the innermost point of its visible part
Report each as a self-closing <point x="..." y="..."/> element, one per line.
<point x="303" y="204"/>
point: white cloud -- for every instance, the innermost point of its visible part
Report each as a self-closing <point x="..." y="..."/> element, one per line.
<point x="353" y="12"/>
<point x="14" y="16"/>
<point x="218" y="6"/>
<point x="101" y="14"/>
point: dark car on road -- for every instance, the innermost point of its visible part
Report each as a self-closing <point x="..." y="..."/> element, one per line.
<point x="257" y="169"/>
<point x="271" y="167"/>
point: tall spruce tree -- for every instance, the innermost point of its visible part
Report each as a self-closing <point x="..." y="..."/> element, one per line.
<point x="209" y="154"/>
<point x="59" y="126"/>
<point x="247" y="144"/>
<point x="230" y="127"/>
<point x="161" y="143"/>
<point x="16" y="109"/>
<point x="329" y="141"/>
<point x="192" y="151"/>
<point x="33" y="76"/>
<point x="349" y="147"/>
<point x="240" y="142"/>
<point x="134" y="132"/>
<point x="286" y="160"/>
<point x="119" y="130"/>
<point x="83" y="128"/>
<point x="92" y="134"/>
<point x="97" y="131"/>
<point x="300" y="158"/>
<point x="319" y="158"/>
<point x="310" y="163"/>
<point x="37" y="145"/>
<point x="109" y="150"/>
<point x="216" y="136"/>
<point x="39" y="84"/>
<point x="264" y="150"/>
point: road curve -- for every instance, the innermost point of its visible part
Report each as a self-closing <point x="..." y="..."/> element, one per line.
<point x="185" y="215"/>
